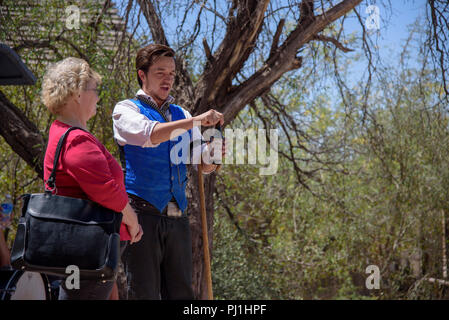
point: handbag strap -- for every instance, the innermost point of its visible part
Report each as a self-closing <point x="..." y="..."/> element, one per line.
<point x="51" y="182"/>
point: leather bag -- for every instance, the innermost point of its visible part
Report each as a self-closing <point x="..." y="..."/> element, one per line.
<point x="55" y="232"/>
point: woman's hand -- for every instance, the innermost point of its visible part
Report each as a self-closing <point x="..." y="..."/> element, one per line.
<point x="132" y="223"/>
<point x="136" y="232"/>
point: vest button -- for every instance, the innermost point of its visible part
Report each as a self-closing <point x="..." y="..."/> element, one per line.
<point x="172" y="178"/>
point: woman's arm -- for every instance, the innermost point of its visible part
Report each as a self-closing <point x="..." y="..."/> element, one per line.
<point x="86" y="161"/>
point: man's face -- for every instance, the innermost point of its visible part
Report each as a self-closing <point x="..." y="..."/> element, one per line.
<point x="158" y="81"/>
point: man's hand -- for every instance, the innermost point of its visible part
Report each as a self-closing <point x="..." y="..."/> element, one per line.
<point x="163" y="131"/>
<point x="223" y="150"/>
<point x="208" y="168"/>
<point x="210" y="118"/>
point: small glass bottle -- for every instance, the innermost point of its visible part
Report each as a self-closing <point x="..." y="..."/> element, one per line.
<point x="6" y="210"/>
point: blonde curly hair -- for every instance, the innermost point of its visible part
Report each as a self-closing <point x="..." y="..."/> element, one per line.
<point x="63" y="79"/>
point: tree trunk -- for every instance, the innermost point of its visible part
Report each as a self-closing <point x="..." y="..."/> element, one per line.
<point x="22" y="135"/>
<point x="214" y="88"/>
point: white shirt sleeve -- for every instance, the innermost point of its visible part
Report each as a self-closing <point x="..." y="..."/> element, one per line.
<point x="132" y="127"/>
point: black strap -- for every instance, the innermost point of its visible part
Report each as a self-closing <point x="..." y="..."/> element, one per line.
<point x="121" y="150"/>
<point x="51" y="182"/>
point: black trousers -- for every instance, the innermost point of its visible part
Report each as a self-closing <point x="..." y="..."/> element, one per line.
<point x="159" y="266"/>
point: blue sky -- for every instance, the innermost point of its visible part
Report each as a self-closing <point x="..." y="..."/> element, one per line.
<point x="394" y="29"/>
<point x="404" y="13"/>
<point x="394" y="24"/>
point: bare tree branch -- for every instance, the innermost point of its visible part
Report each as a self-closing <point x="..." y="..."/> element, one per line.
<point x="209" y="56"/>
<point x="438" y="38"/>
<point x="307" y="15"/>
<point x="232" y="53"/>
<point x="275" y="42"/>
<point x="154" y="22"/>
<point x="22" y="135"/>
<point x="333" y="41"/>
<point x="284" y="60"/>
<point x="50" y="43"/>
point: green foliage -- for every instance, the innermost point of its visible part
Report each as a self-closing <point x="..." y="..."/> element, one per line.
<point x="49" y="40"/>
<point x="373" y="192"/>
<point x="380" y="200"/>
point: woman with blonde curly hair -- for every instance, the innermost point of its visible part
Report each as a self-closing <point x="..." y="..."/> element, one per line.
<point x="86" y="169"/>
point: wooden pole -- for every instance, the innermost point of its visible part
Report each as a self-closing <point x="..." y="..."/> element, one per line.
<point x="443" y="221"/>
<point x="208" y="273"/>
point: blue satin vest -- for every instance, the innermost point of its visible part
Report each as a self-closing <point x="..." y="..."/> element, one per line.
<point x="150" y="173"/>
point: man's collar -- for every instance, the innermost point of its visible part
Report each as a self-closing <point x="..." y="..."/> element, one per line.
<point x="169" y="99"/>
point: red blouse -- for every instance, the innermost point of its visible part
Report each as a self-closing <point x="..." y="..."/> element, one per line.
<point x="86" y="170"/>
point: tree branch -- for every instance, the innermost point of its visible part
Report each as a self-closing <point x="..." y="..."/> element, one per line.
<point x="306" y="11"/>
<point x="274" y="45"/>
<point x="438" y="28"/>
<point x="282" y="61"/>
<point x="154" y="22"/>
<point x="333" y="41"/>
<point x="238" y="43"/>
<point x="31" y="44"/>
<point x="20" y="133"/>
<point x="209" y="56"/>
<point x="106" y="5"/>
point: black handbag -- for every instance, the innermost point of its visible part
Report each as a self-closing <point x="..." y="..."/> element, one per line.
<point x="55" y="232"/>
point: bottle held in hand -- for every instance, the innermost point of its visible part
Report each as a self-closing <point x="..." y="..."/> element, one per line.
<point x="6" y="210"/>
<point x="217" y="157"/>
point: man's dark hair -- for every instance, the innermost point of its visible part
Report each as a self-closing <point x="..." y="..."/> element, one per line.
<point x="148" y="55"/>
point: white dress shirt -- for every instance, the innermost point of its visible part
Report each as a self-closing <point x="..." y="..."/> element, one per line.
<point x="132" y="127"/>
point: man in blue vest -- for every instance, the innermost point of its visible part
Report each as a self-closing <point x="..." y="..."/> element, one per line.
<point x="160" y="265"/>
